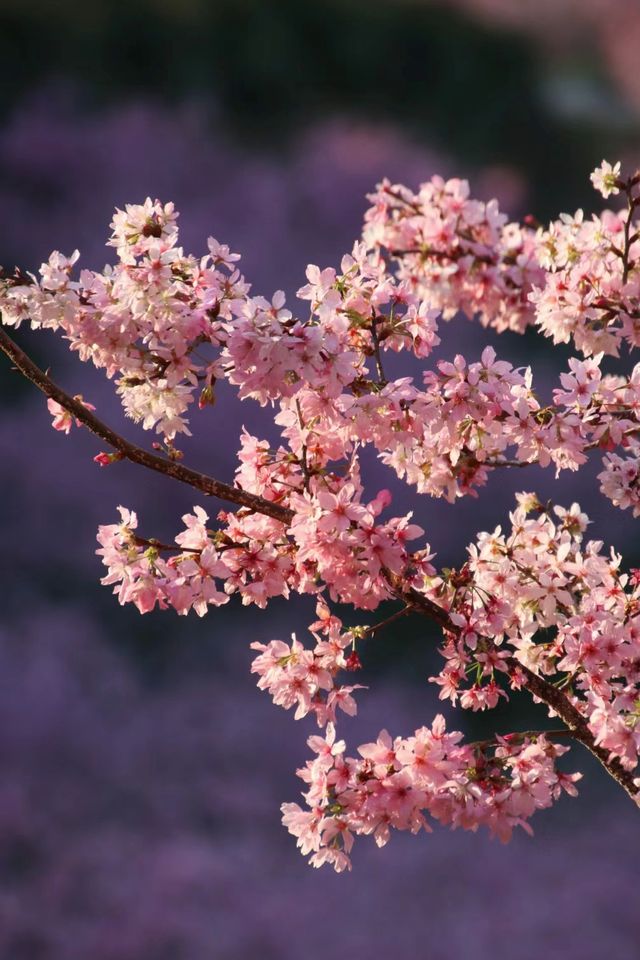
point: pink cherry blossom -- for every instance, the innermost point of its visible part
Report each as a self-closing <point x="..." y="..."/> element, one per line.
<point x="62" y="419"/>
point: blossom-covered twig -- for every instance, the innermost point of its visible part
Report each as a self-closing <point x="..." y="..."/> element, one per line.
<point x="536" y="607"/>
<point x="540" y="688"/>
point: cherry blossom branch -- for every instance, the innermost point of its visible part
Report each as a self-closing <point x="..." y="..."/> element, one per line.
<point x="540" y="689"/>
<point x="536" y="685"/>
<point x="130" y="451"/>
<point x="571" y="716"/>
<point x="431" y="254"/>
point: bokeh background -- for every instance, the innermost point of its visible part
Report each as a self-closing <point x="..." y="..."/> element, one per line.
<point x="142" y="771"/>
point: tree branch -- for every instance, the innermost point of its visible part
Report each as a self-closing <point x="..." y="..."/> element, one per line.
<point x="537" y="687"/>
<point x="129" y="451"/>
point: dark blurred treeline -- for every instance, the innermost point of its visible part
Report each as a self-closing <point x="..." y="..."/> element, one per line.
<point x="480" y="91"/>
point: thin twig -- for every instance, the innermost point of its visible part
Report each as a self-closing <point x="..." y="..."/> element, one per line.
<point x="376" y="350"/>
<point x="366" y="631"/>
<point x="161" y="547"/>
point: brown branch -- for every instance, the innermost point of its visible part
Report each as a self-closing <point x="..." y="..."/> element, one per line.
<point x="537" y="686"/>
<point x="376" y="350"/>
<point x="130" y="451"/>
<point x="159" y="546"/>
<point x="367" y="631"/>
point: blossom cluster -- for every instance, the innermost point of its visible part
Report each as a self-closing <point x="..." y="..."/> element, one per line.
<point x="591" y="291"/>
<point x="460" y="253"/>
<point x="397" y="784"/>
<point x="333" y="543"/>
<point x="296" y="676"/>
<point x="469" y="418"/>
<point x="578" y="279"/>
<point x="620" y="479"/>
<point x="519" y="584"/>
<point x="247" y="556"/>
<point x="168" y="325"/>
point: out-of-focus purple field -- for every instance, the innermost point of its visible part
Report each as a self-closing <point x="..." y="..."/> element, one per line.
<point x="142" y="771"/>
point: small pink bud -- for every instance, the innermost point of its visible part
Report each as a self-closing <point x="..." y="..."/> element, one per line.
<point x="104" y="459"/>
<point x="353" y="661"/>
<point x="207" y="397"/>
<point x="380" y="502"/>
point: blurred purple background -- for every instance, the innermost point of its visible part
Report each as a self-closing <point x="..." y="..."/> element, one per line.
<point x="142" y="770"/>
